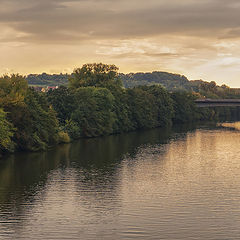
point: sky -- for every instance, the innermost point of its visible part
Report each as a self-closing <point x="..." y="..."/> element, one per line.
<point x="197" y="38"/>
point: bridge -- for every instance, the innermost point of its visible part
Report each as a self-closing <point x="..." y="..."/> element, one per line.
<point x="217" y="102"/>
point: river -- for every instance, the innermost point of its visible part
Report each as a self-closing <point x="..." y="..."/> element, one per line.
<point x="172" y="184"/>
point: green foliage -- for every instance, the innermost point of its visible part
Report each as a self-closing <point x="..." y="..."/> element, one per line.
<point x="185" y="109"/>
<point x="212" y="90"/>
<point x="47" y="79"/>
<point x="29" y="113"/>
<point x="94" y="113"/>
<point x="163" y="102"/>
<point x="13" y="90"/>
<point x="63" y="102"/>
<point x="121" y="110"/>
<point x="96" y="74"/>
<point x="6" y="133"/>
<point x="63" y="137"/>
<point x="96" y="104"/>
<point x="72" y="129"/>
<point x="36" y="123"/>
<point x="150" y="106"/>
<point x="170" y="81"/>
<point x="143" y="113"/>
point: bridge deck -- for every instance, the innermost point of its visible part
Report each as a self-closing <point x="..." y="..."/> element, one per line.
<point x="218" y="102"/>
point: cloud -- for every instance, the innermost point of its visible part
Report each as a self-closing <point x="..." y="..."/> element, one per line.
<point x="192" y="37"/>
<point x="72" y="21"/>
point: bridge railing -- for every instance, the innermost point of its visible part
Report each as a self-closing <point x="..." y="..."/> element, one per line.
<point x="217" y="102"/>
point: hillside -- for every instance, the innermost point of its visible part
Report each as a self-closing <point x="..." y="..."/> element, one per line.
<point x="172" y="82"/>
<point x="169" y="80"/>
<point x="47" y="79"/>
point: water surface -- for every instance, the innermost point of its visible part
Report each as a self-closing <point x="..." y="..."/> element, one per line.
<point x="157" y="184"/>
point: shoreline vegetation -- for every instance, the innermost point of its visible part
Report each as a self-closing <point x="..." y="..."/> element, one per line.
<point x="94" y="104"/>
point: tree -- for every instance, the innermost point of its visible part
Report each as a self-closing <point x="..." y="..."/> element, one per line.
<point x="37" y="125"/>
<point x="6" y="132"/>
<point x="163" y="102"/>
<point x="96" y="74"/>
<point x="143" y="113"/>
<point x="13" y="90"/>
<point x="185" y="109"/>
<point x="121" y="110"/>
<point x="63" y="102"/>
<point x="94" y="114"/>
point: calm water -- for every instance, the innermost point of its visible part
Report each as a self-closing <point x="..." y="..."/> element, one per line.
<point x="147" y="185"/>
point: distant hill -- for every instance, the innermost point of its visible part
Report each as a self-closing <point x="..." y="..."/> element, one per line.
<point x="168" y="80"/>
<point x="47" y="79"/>
<point x="172" y="82"/>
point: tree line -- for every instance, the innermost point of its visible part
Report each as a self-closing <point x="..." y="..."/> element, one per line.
<point x="170" y="81"/>
<point x="94" y="103"/>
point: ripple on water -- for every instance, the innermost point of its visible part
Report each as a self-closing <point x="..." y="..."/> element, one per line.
<point x="130" y="187"/>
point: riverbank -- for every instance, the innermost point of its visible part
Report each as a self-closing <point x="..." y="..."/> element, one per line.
<point x="165" y="133"/>
<point x="94" y="104"/>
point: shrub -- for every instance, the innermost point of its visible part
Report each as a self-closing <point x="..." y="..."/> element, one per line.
<point x="63" y="137"/>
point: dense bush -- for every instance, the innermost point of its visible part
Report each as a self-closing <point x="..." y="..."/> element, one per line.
<point x="63" y="137"/>
<point x="29" y="113"/>
<point x="94" y="111"/>
<point x="6" y="132"/>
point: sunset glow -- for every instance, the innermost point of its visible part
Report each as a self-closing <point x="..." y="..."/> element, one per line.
<point x="199" y="39"/>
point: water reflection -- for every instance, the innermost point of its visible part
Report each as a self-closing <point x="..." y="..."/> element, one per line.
<point x="92" y="165"/>
<point x="159" y="184"/>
